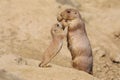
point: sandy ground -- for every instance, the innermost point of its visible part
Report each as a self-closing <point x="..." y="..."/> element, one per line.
<point x="18" y="68"/>
<point x="25" y="30"/>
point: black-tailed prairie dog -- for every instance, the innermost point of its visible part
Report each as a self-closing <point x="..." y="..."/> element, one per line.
<point x="78" y="42"/>
<point x="58" y="34"/>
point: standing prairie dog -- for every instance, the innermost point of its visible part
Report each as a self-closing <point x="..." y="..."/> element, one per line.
<point x="78" y="42"/>
<point x="58" y="34"/>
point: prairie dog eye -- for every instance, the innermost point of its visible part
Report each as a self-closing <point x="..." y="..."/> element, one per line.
<point x="58" y="25"/>
<point x="68" y="11"/>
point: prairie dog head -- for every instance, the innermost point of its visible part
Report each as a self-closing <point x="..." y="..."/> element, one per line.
<point x="68" y="14"/>
<point x="57" y="30"/>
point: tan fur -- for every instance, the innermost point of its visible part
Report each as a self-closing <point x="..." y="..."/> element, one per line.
<point x="78" y="42"/>
<point x="58" y="35"/>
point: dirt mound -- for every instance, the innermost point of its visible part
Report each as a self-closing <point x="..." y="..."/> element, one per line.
<point x="28" y="69"/>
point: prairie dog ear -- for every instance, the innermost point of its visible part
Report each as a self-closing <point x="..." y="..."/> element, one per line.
<point x="52" y="30"/>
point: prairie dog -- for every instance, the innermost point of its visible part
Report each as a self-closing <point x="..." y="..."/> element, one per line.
<point x="58" y="34"/>
<point x="78" y="42"/>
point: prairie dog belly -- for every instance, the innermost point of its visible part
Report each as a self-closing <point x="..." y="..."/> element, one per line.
<point x="78" y="44"/>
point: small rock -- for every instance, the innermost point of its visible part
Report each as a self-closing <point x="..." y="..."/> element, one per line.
<point x="99" y="52"/>
<point x="20" y="60"/>
<point x="116" y="59"/>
